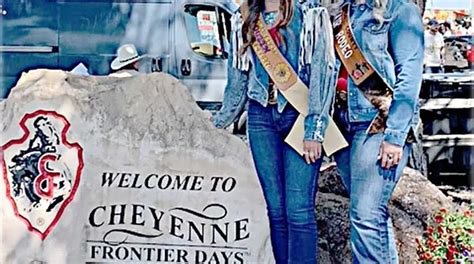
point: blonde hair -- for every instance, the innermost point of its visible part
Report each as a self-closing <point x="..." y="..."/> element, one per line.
<point x="380" y="6"/>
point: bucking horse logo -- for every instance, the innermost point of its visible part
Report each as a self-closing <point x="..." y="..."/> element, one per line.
<point x="41" y="170"/>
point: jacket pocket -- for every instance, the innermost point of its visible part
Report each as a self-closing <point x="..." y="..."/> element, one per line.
<point x="375" y="27"/>
<point x="374" y="34"/>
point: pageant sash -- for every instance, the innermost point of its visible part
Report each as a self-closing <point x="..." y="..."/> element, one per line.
<point x="362" y="73"/>
<point x="292" y="88"/>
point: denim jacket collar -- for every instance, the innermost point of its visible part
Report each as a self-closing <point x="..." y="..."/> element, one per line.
<point x="369" y="3"/>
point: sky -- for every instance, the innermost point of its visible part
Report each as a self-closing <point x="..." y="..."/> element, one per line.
<point x="450" y="4"/>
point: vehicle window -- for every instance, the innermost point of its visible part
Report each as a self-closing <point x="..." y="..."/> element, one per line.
<point x="28" y="23"/>
<point x="208" y="30"/>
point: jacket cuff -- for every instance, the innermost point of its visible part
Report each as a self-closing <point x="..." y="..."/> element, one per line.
<point x="218" y="121"/>
<point x="314" y="128"/>
<point x="395" y="137"/>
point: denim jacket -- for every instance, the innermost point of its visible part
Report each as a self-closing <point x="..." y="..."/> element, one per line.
<point x="395" y="48"/>
<point x="307" y="47"/>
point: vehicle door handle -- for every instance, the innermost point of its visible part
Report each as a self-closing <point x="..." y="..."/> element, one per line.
<point x="186" y="67"/>
<point x="156" y="65"/>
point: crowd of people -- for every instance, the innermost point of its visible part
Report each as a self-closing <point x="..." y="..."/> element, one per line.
<point x="435" y="34"/>
<point x="458" y="27"/>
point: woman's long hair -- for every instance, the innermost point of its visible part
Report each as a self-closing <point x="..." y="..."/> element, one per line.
<point x="255" y="7"/>
<point x="380" y="6"/>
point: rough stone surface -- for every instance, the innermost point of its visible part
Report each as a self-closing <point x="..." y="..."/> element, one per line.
<point x="333" y="224"/>
<point x="324" y="256"/>
<point x="148" y="125"/>
<point x="418" y="197"/>
<point x="330" y="182"/>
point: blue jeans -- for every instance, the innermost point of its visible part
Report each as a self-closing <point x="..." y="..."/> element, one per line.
<point x="370" y="188"/>
<point x="288" y="184"/>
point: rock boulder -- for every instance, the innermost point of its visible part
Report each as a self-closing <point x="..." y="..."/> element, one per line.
<point x="100" y="169"/>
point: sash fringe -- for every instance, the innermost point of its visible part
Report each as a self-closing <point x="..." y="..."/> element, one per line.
<point x="315" y="21"/>
<point x="240" y="61"/>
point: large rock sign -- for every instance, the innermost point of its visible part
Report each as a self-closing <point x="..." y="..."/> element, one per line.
<point x="98" y="169"/>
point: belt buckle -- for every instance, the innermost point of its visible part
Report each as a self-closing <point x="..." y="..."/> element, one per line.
<point x="272" y="94"/>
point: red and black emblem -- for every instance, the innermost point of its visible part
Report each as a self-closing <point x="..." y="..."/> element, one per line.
<point x="41" y="170"/>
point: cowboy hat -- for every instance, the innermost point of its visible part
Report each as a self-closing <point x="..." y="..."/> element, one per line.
<point x="126" y="54"/>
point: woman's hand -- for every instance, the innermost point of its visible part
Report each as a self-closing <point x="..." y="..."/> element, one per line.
<point x="311" y="151"/>
<point x="208" y="115"/>
<point x="390" y="155"/>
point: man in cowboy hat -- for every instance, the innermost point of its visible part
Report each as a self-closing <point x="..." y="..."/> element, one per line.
<point x="127" y="62"/>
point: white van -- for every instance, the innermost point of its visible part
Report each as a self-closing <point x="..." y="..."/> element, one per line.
<point x="185" y="38"/>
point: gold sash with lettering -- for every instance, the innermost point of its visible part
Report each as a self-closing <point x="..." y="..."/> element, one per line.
<point x="292" y="88"/>
<point x="362" y="73"/>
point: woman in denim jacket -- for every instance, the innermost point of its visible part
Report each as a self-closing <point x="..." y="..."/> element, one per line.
<point x="390" y="35"/>
<point x="288" y="180"/>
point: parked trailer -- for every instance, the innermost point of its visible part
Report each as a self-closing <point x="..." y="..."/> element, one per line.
<point x="447" y="115"/>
